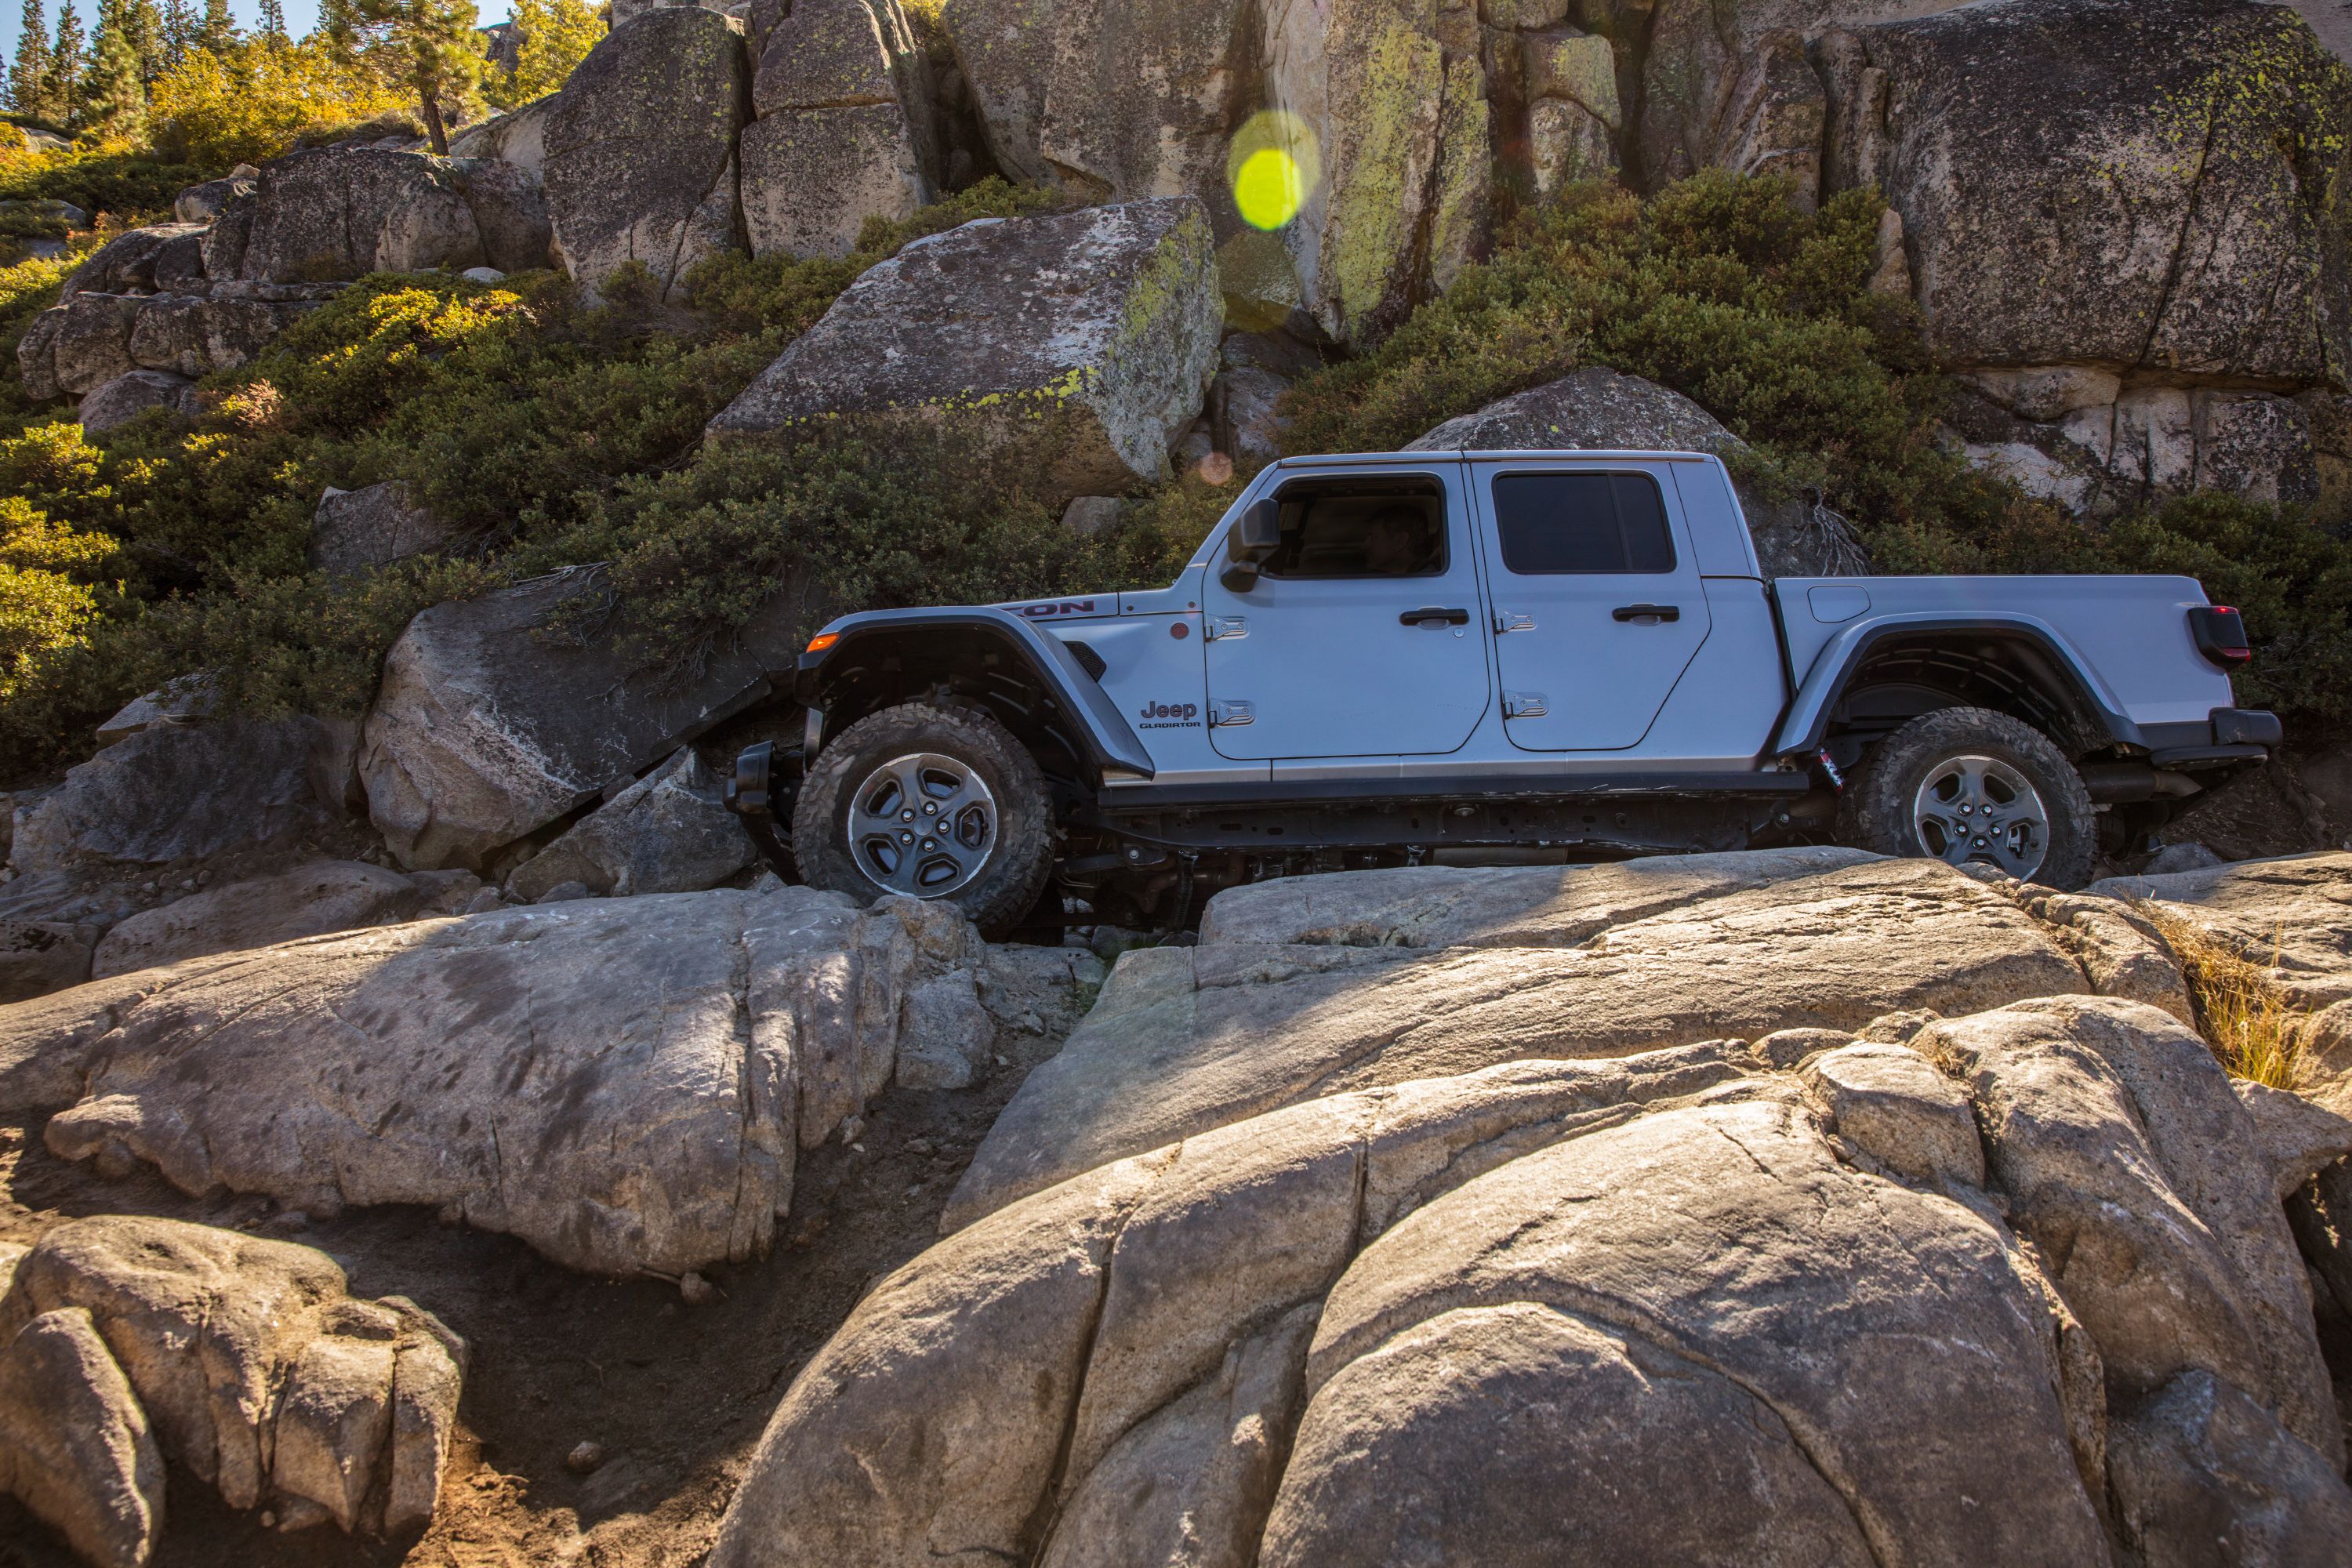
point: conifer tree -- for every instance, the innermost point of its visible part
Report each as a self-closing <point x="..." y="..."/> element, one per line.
<point x="29" y="81"/>
<point x="218" y="30"/>
<point x="180" y="29"/>
<point x="339" y="28"/>
<point x="112" y="99"/>
<point x="61" y="91"/>
<point x="142" y="25"/>
<point x="273" y="20"/>
<point x="434" y="47"/>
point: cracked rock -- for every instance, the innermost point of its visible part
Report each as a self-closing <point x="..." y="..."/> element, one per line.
<point x="623" y="1083"/>
<point x="640" y="156"/>
<point x="246" y="1359"/>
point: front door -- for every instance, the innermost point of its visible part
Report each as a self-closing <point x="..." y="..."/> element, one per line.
<point x="1364" y="634"/>
<point x="1598" y="604"/>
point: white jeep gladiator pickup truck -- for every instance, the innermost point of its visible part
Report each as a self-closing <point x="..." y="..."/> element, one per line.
<point x="1485" y="658"/>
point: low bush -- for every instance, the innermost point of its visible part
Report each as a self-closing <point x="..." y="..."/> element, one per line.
<point x="134" y="187"/>
<point x="551" y="431"/>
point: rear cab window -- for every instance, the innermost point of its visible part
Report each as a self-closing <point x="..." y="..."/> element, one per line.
<point x="1557" y="524"/>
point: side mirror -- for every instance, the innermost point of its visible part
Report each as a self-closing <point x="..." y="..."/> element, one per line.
<point x="1255" y="535"/>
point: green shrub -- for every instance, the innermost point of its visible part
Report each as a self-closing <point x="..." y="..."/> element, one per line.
<point x="551" y="432"/>
<point x="856" y="513"/>
<point x="134" y="186"/>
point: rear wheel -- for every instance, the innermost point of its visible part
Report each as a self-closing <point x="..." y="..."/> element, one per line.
<point x="929" y="801"/>
<point x="1969" y="786"/>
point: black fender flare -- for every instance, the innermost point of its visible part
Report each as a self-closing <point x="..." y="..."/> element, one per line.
<point x="1100" y="731"/>
<point x="1806" y="724"/>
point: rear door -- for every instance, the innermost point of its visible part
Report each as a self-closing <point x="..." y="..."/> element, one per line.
<point x="1598" y="604"/>
<point x="1328" y="652"/>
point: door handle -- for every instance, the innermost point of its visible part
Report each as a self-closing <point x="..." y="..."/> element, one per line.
<point x="1646" y="613"/>
<point x="1433" y="614"/>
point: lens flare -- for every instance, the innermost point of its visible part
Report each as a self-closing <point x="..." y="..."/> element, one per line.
<point x="1273" y="168"/>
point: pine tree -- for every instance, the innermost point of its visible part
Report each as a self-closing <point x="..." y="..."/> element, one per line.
<point x="435" y="46"/>
<point x="111" y="98"/>
<point x="218" y="31"/>
<point x="29" y="83"/>
<point x="142" y="25"/>
<point x="180" y="29"/>
<point x="339" y="28"/>
<point x="61" y="91"/>
<point x="273" y="20"/>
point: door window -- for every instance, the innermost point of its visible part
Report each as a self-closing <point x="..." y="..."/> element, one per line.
<point x="1333" y="529"/>
<point x="1555" y="524"/>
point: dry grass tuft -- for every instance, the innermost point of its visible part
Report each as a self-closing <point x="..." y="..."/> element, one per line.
<point x="2243" y="1014"/>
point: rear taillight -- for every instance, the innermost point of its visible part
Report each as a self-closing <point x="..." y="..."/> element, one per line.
<point x="2221" y="636"/>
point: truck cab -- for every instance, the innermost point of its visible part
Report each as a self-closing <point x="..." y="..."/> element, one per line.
<point x="1459" y="656"/>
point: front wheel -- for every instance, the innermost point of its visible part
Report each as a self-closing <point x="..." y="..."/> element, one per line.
<point x="932" y="802"/>
<point x="1969" y="786"/>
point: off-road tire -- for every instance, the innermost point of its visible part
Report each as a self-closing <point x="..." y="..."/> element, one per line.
<point x="1876" y="812"/>
<point x="1022" y="861"/>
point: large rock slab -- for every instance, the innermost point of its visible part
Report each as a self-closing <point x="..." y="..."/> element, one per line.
<point x="621" y="1083"/>
<point x="1108" y="1298"/>
<point x="182" y="792"/>
<point x="128" y="263"/>
<point x="2133" y="1167"/>
<point x="126" y="397"/>
<point x="640" y="155"/>
<point x="1598" y="963"/>
<point x="252" y="1366"/>
<point x="1656" y="1304"/>
<point x="1101" y="326"/>
<point x="492" y="720"/>
<point x="1123" y="101"/>
<point x="1633" y="1302"/>
<point x="309" y="901"/>
<point x="1399" y="128"/>
<point x="835" y="143"/>
<point x="1726" y="1248"/>
<point x="2169" y="203"/>
<point x="193" y="334"/>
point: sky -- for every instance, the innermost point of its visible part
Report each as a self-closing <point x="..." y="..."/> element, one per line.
<point x="300" y="16"/>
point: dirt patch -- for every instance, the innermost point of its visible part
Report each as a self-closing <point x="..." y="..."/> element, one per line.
<point x="676" y="1395"/>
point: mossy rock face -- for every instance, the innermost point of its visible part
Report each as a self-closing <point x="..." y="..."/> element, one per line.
<point x="2149" y="184"/>
<point x="1093" y="332"/>
<point x="334" y="214"/>
<point x="843" y="102"/>
<point x="1124" y="100"/>
<point x="640" y="151"/>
